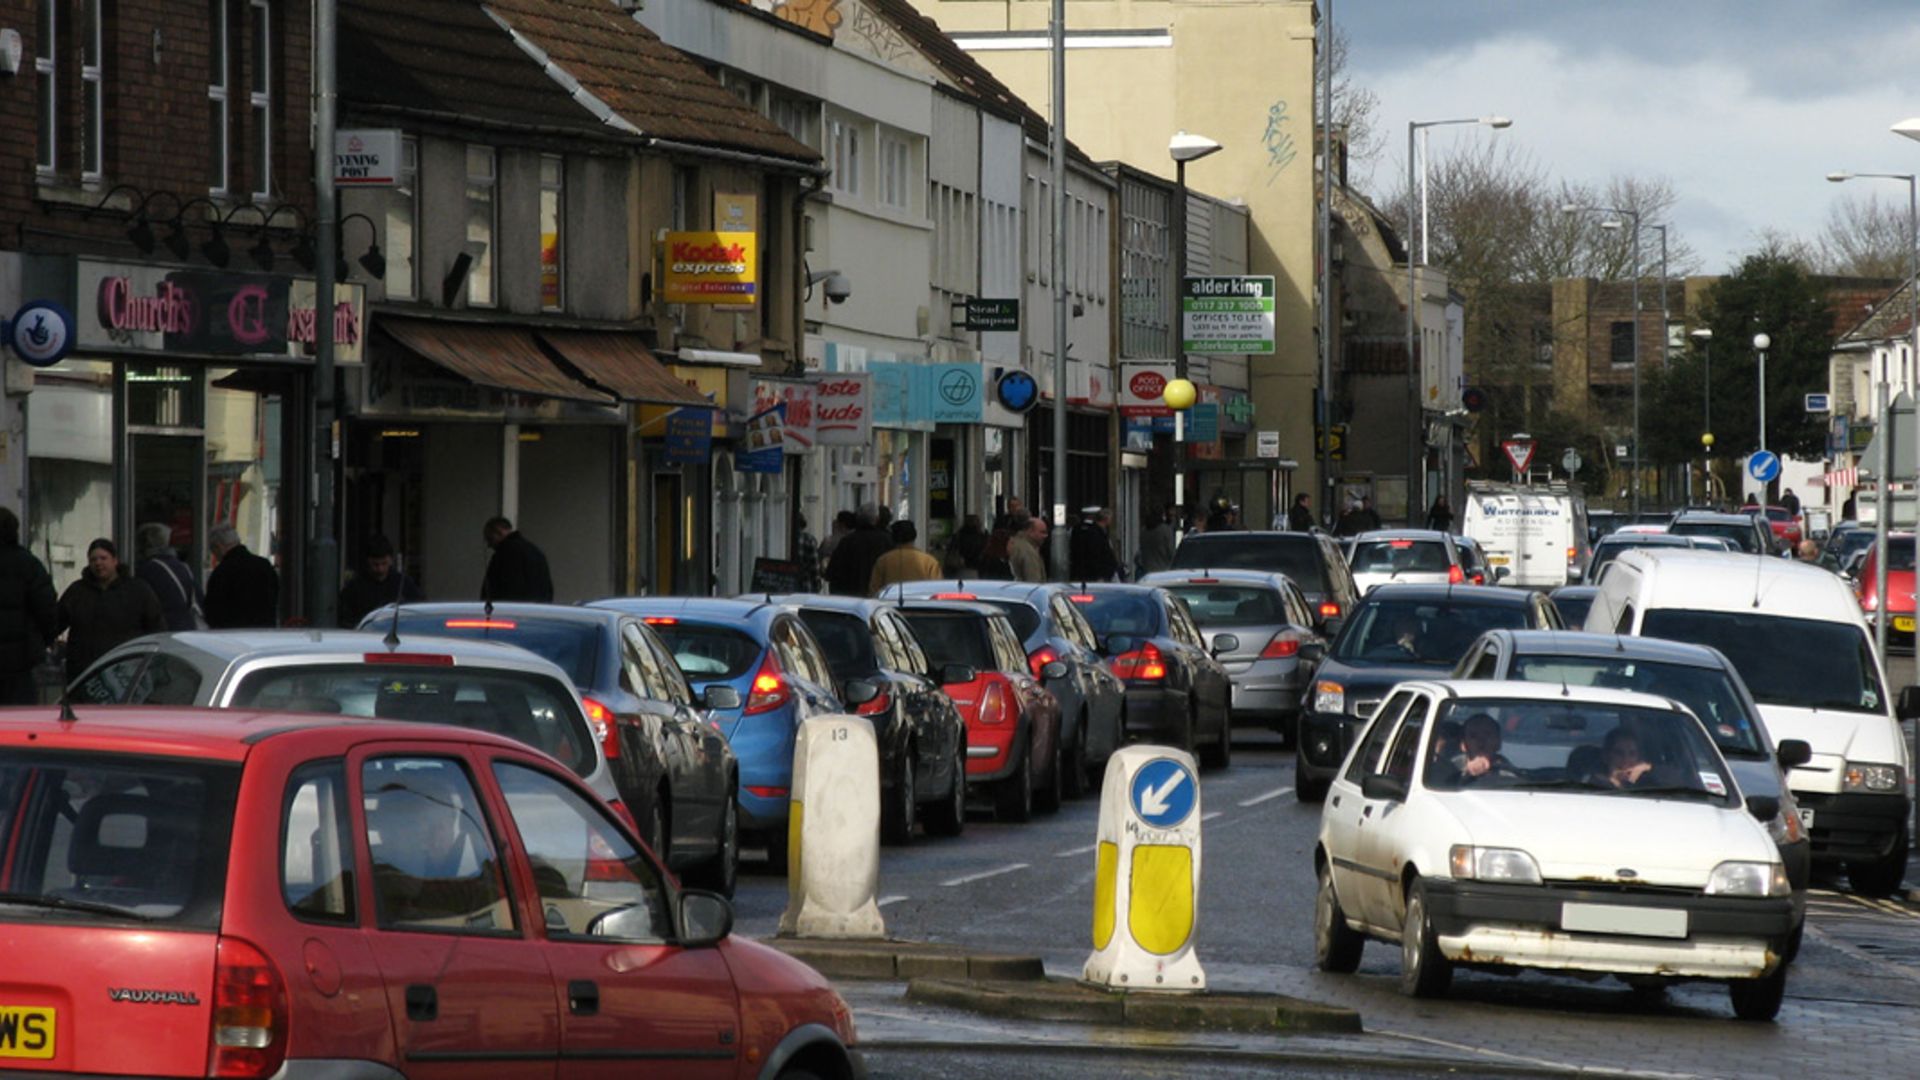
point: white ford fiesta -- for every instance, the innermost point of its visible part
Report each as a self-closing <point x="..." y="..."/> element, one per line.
<point x="1502" y="826"/>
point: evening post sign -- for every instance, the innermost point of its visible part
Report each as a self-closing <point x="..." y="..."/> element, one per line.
<point x="1227" y="315"/>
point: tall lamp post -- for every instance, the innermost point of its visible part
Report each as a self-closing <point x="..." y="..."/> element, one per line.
<point x="1704" y="336"/>
<point x="1908" y="128"/>
<point x="1634" y="217"/>
<point x="1761" y="343"/>
<point x="1182" y="148"/>
<point x="1416" y="213"/>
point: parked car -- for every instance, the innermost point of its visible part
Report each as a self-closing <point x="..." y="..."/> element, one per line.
<point x="1050" y="629"/>
<point x="1782" y="522"/>
<point x="923" y="740"/>
<point x="1177" y="692"/>
<point x="1408" y="556"/>
<point x="1572" y="601"/>
<point x="1752" y="534"/>
<point x="780" y="675"/>
<point x="244" y="893"/>
<point x="673" y="769"/>
<point x="1013" y="722"/>
<point x="1473" y="561"/>
<point x="1899" y="606"/>
<point x="1398" y="632"/>
<point x="1272" y="627"/>
<point x="1512" y="825"/>
<point x="1313" y="561"/>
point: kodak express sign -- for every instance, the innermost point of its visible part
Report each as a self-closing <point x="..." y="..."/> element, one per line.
<point x="711" y="268"/>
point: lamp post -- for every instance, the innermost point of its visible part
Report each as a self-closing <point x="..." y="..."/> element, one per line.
<point x="1633" y="216"/>
<point x="1323" y="415"/>
<point x="1182" y="148"/>
<point x="1416" y="437"/>
<point x="1179" y="395"/>
<point x="1704" y="336"/>
<point x="1761" y="343"/>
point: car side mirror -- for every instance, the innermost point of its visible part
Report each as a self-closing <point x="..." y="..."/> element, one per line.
<point x="1313" y="652"/>
<point x="1501" y="573"/>
<point x="1793" y="753"/>
<point x="705" y="918"/>
<point x="1763" y="807"/>
<point x="635" y="921"/>
<point x="717" y="696"/>
<point x="1225" y="643"/>
<point x="1908" y="707"/>
<point x="1055" y="670"/>
<point x="1115" y="645"/>
<point x="1382" y="786"/>
<point x="858" y="692"/>
<point x="957" y="673"/>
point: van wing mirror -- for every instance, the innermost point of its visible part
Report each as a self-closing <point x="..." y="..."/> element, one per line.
<point x="1793" y="753"/>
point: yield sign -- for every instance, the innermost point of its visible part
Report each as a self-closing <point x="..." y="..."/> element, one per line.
<point x="1520" y="452"/>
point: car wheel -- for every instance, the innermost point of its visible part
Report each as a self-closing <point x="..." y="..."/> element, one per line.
<point x="1220" y="754"/>
<point x="1306" y="788"/>
<point x="1882" y="876"/>
<point x="1759" y="999"/>
<point x="1424" y="973"/>
<point x="722" y="872"/>
<point x="902" y="810"/>
<point x="949" y="817"/>
<point x="1014" y="800"/>
<point x="1047" y="799"/>
<point x="1189" y="727"/>
<point x="1336" y="946"/>
<point x="1076" y="771"/>
<point x="779" y="848"/>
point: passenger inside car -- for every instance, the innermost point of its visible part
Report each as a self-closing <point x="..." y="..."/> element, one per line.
<point x="1479" y="754"/>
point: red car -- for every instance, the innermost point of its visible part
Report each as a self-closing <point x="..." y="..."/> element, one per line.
<point x="1784" y="523"/>
<point x="1899" y="589"/>
<point x="1013" y="722"/>
<point x="239" y="894"/>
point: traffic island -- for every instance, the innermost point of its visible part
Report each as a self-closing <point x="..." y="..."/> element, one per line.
<point x="1073" y="1001"/>
<point x="906" y="960"/>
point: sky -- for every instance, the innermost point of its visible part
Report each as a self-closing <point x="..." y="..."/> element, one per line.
<point x="1744" y="106"/>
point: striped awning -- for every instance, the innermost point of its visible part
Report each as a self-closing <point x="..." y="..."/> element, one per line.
<point x="1842" y="478"/>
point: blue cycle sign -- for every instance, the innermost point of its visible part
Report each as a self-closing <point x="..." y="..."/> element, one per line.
<point x="1164" y="792"/>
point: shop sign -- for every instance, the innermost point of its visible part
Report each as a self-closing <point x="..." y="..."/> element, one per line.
<point x="843" y="409"/>
<point x="796" y="419"/>
<point x="690" y="436"/>
<point x="1203" y="423"/>
<point x="958" y="393"/>
<point x="1238" y="408"/>
<point x="902" y="395"/>
<point x="1266" y="444"/>
<point x="735" y="213"/>
<point x="764" y="449"/>
<point x="41" y="333"/>
<point x="1016" y="390"/>
<point x="1141" y="387"/>
<point x="983" y="315"/>
<point x="262" y="316"/>
<point x="711" y="268"/>
<point x="366" y="157"/>
<point x="1227" y="314"/>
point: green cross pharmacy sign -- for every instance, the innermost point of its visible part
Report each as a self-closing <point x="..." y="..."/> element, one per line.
<point x="1227" y="315"/>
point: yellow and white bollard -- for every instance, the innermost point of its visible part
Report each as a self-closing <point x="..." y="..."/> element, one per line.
<point x="833" y="830"/>
<point x="1146" y="888"/>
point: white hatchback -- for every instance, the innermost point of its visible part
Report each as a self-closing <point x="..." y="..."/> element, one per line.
<point x="1505" y="826"/>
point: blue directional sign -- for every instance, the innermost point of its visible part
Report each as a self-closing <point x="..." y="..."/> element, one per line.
<point x="1763" y="466"/>
<point x="1164" y="793"/>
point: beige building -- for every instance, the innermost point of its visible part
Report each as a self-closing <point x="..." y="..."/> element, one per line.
<point x="1237" y="71"/>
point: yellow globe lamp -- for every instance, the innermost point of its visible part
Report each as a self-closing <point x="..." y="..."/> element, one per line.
<point x="1707" y="440"/>
<point x="1180" y="395"/>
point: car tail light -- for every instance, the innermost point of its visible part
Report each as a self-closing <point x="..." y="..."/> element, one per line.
<point x="1329" y="609"/>
<point x="481" y="624"/>
<point x="1572" y="554"/>
<point x="1081" y="598"/>
<point x="995" y="706"/>
<point x="1144" y="663"/>
<point x="769" y="689"/>
<point x="881" y="703"/>
<point x="767" y="792"/>
<point x="1040" y="658"/>
<point x="249" y="1012"/>
<point x="606" y="726"/>
<point x="660" y="620"/>
<point x="1399" y="545"/>
<point x="1479" y="578"/>
<point x="412" y="659"/>
<point x="1455" y="575"/>
<point x="620" y="811"/>
<point x="1284" y="646"/>
<point x="954" y="596"/>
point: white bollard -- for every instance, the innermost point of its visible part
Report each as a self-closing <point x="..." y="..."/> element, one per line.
<point x="1146" y="886"/>
<point x="833" y="830"/>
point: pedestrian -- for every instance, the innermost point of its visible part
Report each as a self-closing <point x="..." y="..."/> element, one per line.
<point x="996" y="558"/>
<point x="1156" y="543"/>
<point x="1023" y="554"/>
<point x="1440" y="515"/>
<point x="1349" y="522"/>
<point x="903" y="562"/>
<point x="1751" y="503"/>
<point x="1807" y="551"/>
<point x="1300" y="516"/>
<point x="377" y="584"/>
<point x="1791" y="502"/>
<point x="29" y="614"/>
<point x="105" y="607"/>
<point x="969" y="543"/>
<point x="517" y="570"/>
<point x="1369" y="518"/>
<point x="1847" y="509"/>
<point x="182" y="604"/>
<point x="806" y="555"/>
<point x="843" y="526"/>
<point x="1089" y="551"/>
<point x="850" y="570"/>
<point x="244" y="589"/>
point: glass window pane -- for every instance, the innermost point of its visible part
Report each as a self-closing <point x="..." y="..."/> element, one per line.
<point x="217" y="143"/>
<point x="47" y="125"/>
<point x="262" y="50"/>
<point x="91" y="127"/>
<point x="217" y="43"/>
<point x="90" y="34"/>
<point x="262" y="150"/>
<point x="43" y="29"/>
<point x="316" y="856"/>
<point x="592" y="881"/>
<point x="434" y="862"/>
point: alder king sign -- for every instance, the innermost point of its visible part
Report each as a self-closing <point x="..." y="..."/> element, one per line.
<point x="1227" y="315"/>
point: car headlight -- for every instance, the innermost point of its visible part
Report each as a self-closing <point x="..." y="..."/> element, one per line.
<point x="1877" y="778"/>
<point x="1329" y="697"/>
<point x="1748" y="879"/>
<point x="1510" y="865"/>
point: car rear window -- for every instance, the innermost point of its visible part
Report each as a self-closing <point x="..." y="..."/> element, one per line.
<point x="845" y="639"/>
<point x="1708" y="692"/>
<point x="952" y="638"/>
<point x="1232" y="605"/>
<point x="89" y="837"/>
<point x="1296" y="556"/>
<point x="1132" y="613"/>
<point x="1400" y="556"/>
<point x="573" y="647"/>
<point x="1739" y="534"/>
<point x="1023" y="616"/>
<point x="1435" y="633"/>
<point x="521" y="705"/>
<point x="1900" y="553"/>
<point x="708" y="653"/>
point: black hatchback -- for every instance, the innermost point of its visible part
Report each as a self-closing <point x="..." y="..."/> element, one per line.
<point x="1312" y="560"/>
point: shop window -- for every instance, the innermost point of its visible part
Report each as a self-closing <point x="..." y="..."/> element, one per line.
<point x="218" y="118"/>
<point x="46" y="72"/>
<point x="552" y="221"/>
<point x="260" y="98"/>
<point x="400" y="209"/>
<point x="93" y="123"/>
<point x="480" y="225"/>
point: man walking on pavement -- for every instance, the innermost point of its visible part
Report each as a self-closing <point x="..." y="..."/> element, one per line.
<point x="1029" y="533"/>
<point x="850" y="570"/>
<point x="518" y="569"/>
<point x="29" y="614"/>
<point x="904" y="562"/>
<point x="1089" y="552"/>
<point x="376" y="584"/>
<point x="181" y="602"/>
<point x="1300" y="517"/>
<point x="244" y="589"/>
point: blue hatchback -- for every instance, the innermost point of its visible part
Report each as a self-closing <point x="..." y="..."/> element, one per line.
<point x="766" y="654"/>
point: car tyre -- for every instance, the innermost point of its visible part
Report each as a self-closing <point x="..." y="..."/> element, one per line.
<point x="1014" y="799"/>
<point x="722" y="872"/>
<point x="1882" y="876"/>
<point x="902" y="810"/>
<point x="1306" y="788"/>
<point x="1189" y="727"/>
<point x="948" y="817"/>
<point x="1047" y="799"/>
<point x="779" y="848"/>
<point x="1424" y="973"/>
<point x="1336" y="946"/>
<point x="1759" y="999"/>
<point x="1076" y="771"/>
<point x="1220" y="754"/>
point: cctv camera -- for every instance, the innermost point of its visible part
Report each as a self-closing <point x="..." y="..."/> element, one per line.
<point x="838" y="288"/>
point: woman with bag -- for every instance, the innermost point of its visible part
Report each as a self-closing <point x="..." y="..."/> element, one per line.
<point x="181" y="602"/>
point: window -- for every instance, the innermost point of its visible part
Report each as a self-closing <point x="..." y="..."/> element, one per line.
<point x="896" y="173"/>
<point x="169" y="680"/>
<point x="400" y="208"/>
<point x="218" y="119"/>
<point x="1405" y="752"/>
<point x="1622" y="345"/>
<point x="797" y="118"/>
<point x="1369" y="752"/>
<point x="480" y="223"/>
<point x="591" y="880"/>
<point x="845" y="157"/>
<point x="113" y="684"/>
<point x="93" y="124"/>
<point x="552" y="208"/>
<point x="260" y="99"/>
<point x="435" y="865"/>
<point x="316" y="858"/>
<point x="45" y="72"/>
<point x="685" y="212"/>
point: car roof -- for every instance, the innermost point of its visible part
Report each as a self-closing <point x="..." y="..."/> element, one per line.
<point x="1644" y="539"/>
<point x="1488" y="594"/>
<point x="218" y="734"/>
<point x="1435" y="535"/>
<point x="1581" y="643"/>
<point x="1731" y="581"/>
<point x="231" y="645"/>
<point x="1229" y="535"/>
<point x="1493" y="689"/>
<point x="699" y="608"/>
<point x="480" y="609"/>
<point x="1713" y="517"/>
<point x="852" y="605"/>
<point x="1164" y="578"/>
<point x="1575" y="591"/>
<point x="1013" y="590"/>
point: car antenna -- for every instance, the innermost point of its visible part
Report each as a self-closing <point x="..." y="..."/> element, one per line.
<point x="392" y="640"/>
<point x="66" y="708"/>
<point x="1759" y="565"/>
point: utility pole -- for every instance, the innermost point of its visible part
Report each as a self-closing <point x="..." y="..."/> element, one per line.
<point x="1325" y="411"/>
<point x="323" y="551"/>
<point x="1057" y="151"/>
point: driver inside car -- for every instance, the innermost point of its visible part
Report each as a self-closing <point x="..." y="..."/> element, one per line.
<point x="1480" y="750"/>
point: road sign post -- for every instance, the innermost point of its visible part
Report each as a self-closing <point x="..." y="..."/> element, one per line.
<point x="1146" y="885"/>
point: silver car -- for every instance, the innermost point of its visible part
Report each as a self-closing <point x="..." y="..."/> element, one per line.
<point x="1276" y="648"/>
<point x="1404" y="556"/>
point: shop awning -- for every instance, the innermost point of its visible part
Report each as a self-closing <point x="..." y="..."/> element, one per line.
<point x="622" y="364"/>
<point x="502" y="357"/>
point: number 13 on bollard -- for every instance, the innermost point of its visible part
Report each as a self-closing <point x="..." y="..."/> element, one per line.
<point x="1146" y="887"/>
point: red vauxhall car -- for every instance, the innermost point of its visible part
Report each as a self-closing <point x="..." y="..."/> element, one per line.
<point x="240" y="894"/>
<point x="1899" y="606"/>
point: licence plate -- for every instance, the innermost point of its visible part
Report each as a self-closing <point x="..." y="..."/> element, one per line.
<point x="1498" y="560"/>
<point x="1806" y="818"/>
<point x="26" y="1032"/>
<point x="1903" y="623"/>
<point x="1615" y="919"/>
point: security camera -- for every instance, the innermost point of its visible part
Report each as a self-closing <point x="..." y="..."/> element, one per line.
<point x="838" y="288"/>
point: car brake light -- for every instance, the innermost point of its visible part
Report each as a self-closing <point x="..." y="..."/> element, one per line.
<point x="767" y="792"/>
<point x="1144" y="663"/>
<point x="954" y="596"/>
<point x="881" y="703"/>
<point x="1081" y="598"/>
<point x="1479" y="578"/>
<point x="1284" y="646"/>
<point x="994" y="708"/>
<point x="606" y="727"/>
<point x="410" y="658"/>
<point x="620" y="811"/>
<point x="1455" y="575"/>
<point x="1203" y="581"/>
<point x="1040" y="658"/>
<point x="1572" y="554"/>
<point x="1399" y="545"/>
<point x="481" y="624"/>
<point x="1329" y="609"/>
<point x="769" y="689"/>
<point x="660" y="620"/>
<point x="249" y="1012"/>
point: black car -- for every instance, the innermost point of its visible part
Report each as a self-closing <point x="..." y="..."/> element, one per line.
<point x="1573" y="603"/>
<point x="1751" y="532"/>
<point x="1176" y="689"/>
<point x="1312" y="560"/>
<point x="1399" y="632"/>
<point x="923" y="741"/>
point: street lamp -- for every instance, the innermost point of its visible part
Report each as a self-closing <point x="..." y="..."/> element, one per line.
<point x="1416" y="437"/>
<point x="1182" y="148"/>
<point x="1761" y="343"/>
<point x="1179" y="395"/>
<point x="1633" y="216"/>
<point x="1704" y="336"/>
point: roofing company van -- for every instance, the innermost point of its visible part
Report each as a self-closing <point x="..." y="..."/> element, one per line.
<point x="1795" y="634"/>
<point x="1535" y="534"/>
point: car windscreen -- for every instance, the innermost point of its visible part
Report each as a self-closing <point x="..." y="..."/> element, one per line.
<point x="1779" y="513"/>
<point x="107" y="837"/>
<point x="1022" y="615"/>
<point x="1130" y="613"/>
<point x="573" y="647"/>
<point x="1900" y="553"/>
<point x="846" y="640"/>
<point x="1573" y="609"/>
<point x="1296" y="556"/>
<point x="1232" y="605"/>
<point x="1565" y="743"/>
<point x="1434" y="633"/>
<point x="1742" y="535"/>
<point x="1802" y="663"/>
<point x="707" y="653"/>
<point x="950" y="637"/>
<point x="523" y="705"/>
<point x="1399" y="557"/>
<point x="1709" y="692"/>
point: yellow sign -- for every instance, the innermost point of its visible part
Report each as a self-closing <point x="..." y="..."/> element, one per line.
<point x="711" y="268"/>
<point x="735" y="213"/>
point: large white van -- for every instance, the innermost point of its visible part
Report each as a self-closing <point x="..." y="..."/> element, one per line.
<point x="1795" y="634"/>
<point x="1535" y="534"/>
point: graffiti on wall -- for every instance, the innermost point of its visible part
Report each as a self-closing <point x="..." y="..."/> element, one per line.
<point x="1278" y="140"/>
<point x="820" y="16"/>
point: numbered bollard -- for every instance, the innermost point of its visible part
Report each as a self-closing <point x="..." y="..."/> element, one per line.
<point x="833" y="830"/>
<point x="1146" y="887"/>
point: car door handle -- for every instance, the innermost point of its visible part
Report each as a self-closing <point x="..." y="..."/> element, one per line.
<point x="1336" y="800"/>
<point x="423" y="1003"/>
<point x="1366" y="811"/>
<point x="583" y="997"/>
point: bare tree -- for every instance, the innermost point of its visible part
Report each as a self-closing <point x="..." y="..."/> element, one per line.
<point x="1356" y="110"/>
<point x="1863" y="237"/>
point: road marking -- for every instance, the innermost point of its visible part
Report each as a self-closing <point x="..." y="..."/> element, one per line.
<point x="1071" y="852"/>
<point x="1274" y="794"/>
<point x="1538" y="1062"/>
<point x="984" y="874"/>
<point x="885" y="900"/>
<point x="1211" y="814"/>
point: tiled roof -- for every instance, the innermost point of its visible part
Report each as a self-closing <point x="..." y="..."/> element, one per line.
<point x="1887" y="314"/>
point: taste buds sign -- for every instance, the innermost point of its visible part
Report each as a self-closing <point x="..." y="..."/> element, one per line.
<point x="710" y="268"/>
<point x="843" y="409"/>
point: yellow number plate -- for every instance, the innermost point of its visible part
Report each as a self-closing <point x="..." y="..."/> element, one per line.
<point x="1903" y="623"/>
<point x="26" y="1032"/>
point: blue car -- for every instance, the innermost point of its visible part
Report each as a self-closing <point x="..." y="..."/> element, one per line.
<point x="773" y="662"/>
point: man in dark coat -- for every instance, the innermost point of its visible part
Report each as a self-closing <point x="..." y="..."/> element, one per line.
<point x="1300" y="516"/>
<point x="243" y="592"/>
<point x="376" y="585"/>
<point x="1089" y="551"/>
<point x="105" y="607"/>
<point x="160" y="567"/>
<point x="29" y="614"/>
<point x="850" y="570"/>
<point x="518" y="570"/>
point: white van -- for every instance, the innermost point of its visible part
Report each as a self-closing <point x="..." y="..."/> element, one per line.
<point x="1795" y="634"/>
<point x="1535" y="534"/>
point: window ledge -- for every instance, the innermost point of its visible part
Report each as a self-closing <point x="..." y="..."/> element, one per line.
<point x="84" y="195"/>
